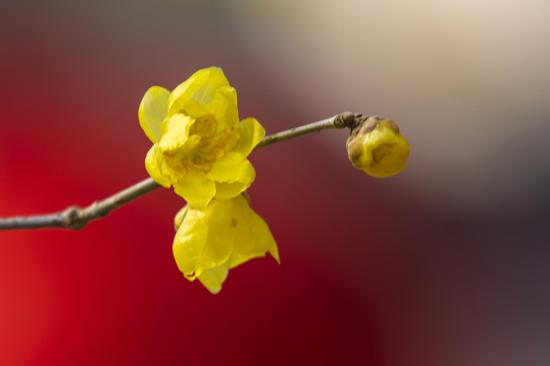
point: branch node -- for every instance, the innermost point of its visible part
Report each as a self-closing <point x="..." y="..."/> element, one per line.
<point x="72" y="218"/>
<point x="348" y="120"/>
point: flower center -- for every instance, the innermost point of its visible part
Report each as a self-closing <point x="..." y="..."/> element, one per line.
<point x="202" y="148"/>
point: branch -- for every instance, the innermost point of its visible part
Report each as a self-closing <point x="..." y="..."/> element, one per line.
<point x="346" y="119"/>
<point x="75" y="218"/>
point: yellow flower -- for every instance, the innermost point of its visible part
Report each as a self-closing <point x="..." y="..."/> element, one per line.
<point x="377" y="148"/>
<point x="199" y="146"/>
<point x="212" y="241"/>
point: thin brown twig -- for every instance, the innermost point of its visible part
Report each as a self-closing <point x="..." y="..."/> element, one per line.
<point x="75" y="217"/>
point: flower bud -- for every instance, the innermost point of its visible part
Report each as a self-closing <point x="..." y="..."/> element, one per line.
<point x="376" y="147"/>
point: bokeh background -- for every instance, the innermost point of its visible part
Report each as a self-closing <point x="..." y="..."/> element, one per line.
<point x="446" y="264"/>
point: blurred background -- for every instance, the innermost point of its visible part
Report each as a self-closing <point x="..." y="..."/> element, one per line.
<point x="446" y="264"/>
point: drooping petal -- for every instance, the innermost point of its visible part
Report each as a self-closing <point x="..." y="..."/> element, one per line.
<point x="214" y="278"/>
<point x="204" y="240"/>
<point x="252" y="133"/>
<point x="230" y="190"/>
<point x="253" y="238"/>
<point x="180" y="216"/>
<point x="152" y="110"/>
<point x="223" y="235"/>
<point x="274" y="251"/>
<point x="198" y="90"/>
<point x="222" y="225"/>
<point x="197" y="189"/>
<point x="189" y="243"/>
<point x="153" y="165"/>
<point x="233" y="167"/>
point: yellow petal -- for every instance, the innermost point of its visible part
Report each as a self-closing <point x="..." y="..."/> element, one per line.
<point x="175" y="133"/>
<point x="230" y="190"/>
<point x="223" y="235"/>
<point x="224" y="108"/>
<point x="152" y="110"/>
<point x="189" y="242"/>
<point x="180" y="216"/>
<point x="205" y="238"/>
<point x="197" y="189"/>
<point x="253" y="238"/>
<point x="233" y="167"/>
<point x="198" y="90"/>
<point x="252" y="133"/>
<point x="214" y="278"/>
<point x="153" y="165"/>
<point x="274" y="252"/>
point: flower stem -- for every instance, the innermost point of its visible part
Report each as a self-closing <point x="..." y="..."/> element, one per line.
<point x="345" y="119"/>
<point x="75" y="218"/>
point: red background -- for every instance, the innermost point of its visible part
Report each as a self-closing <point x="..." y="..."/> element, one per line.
<point x="370" y="274"/>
